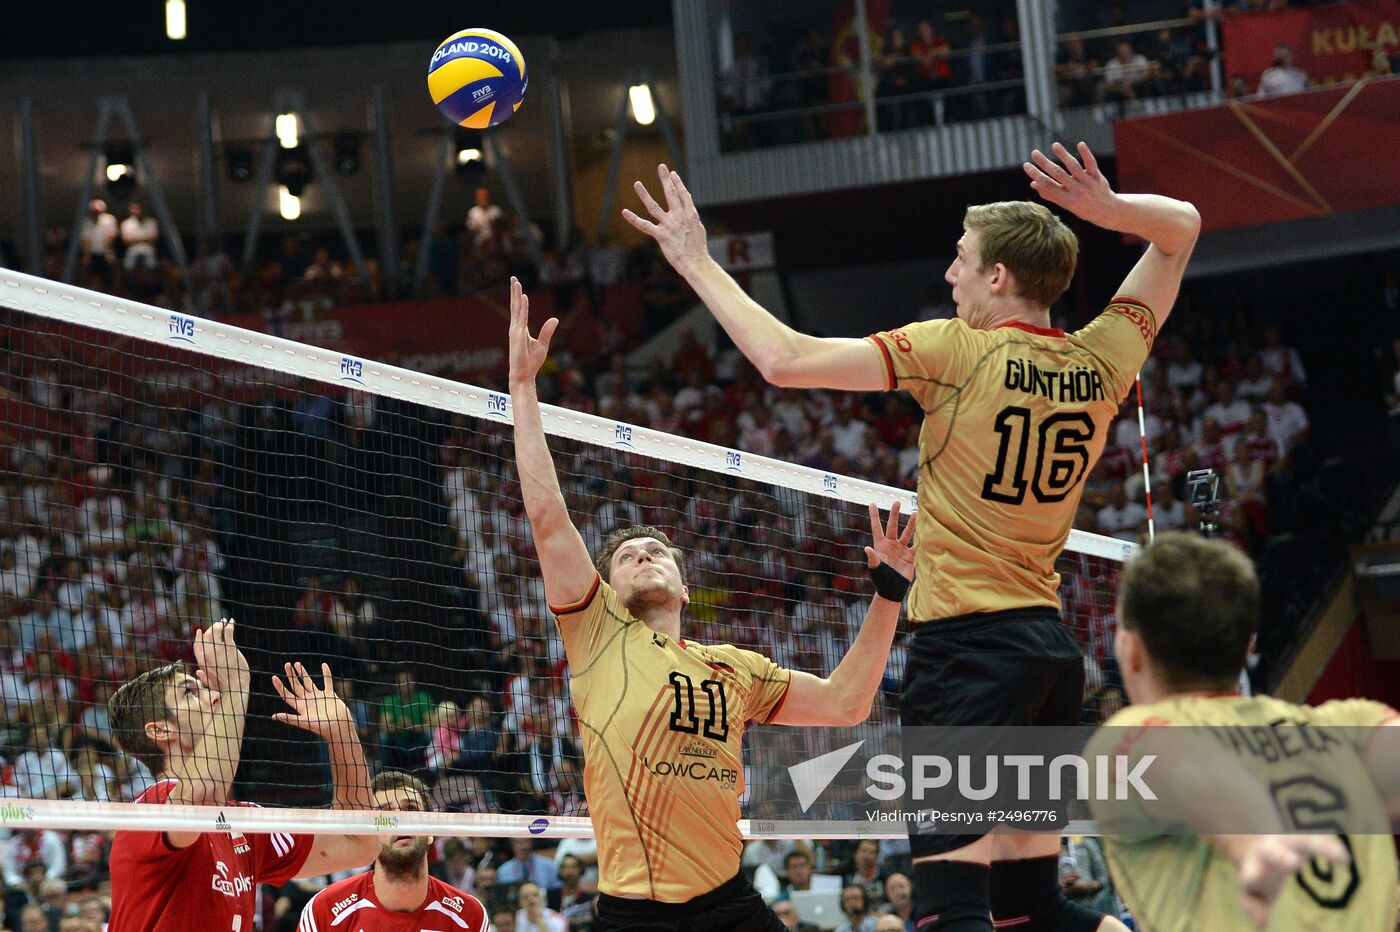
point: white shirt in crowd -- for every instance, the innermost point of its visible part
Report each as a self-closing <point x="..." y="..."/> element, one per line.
<point x="36" y="774"/>
<point x="1124" y="522"/>
<point x="1231" y="417"/>
<point x="1275" y="81"/>
<point x="98" y="235"/>
<point x="140" y="235"/>
<point x="480" y="221"/>
<point x="550" y="921"/>
<point x="1287" y="422"/>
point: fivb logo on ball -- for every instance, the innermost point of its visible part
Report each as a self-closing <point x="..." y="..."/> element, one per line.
<point x="477" y="78"/>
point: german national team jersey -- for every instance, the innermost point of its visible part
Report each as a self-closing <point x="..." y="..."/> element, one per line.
<point x="207" y="885"/>
<point x="1181" y="883"/>
<point x="663" y="725"/>
<point x="350" y="905"/>
<point x="1014" y="419"/>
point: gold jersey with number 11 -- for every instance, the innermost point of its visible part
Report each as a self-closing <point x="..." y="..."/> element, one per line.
<point x="1014" y="419"/>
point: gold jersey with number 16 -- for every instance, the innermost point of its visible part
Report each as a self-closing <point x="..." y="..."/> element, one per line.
<point x="1014" y="419"/>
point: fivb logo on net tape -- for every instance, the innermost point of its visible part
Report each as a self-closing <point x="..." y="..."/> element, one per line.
<point x="622" y="436"/>
<point x="498" y="406"/>
<point x="181" y="328"/>
<point x="352" y="370"/>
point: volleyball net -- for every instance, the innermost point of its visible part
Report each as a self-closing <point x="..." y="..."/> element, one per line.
<point x="165" y="471"/>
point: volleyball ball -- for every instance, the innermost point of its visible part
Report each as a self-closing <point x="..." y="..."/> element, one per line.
<point x="477" y="78"/>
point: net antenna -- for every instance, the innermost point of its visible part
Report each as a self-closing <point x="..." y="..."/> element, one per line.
<point x="777" y="522"/>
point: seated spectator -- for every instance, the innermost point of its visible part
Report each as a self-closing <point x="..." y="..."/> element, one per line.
<point x="403" y="719"/>
<point x="797" y="869"/>
<point x="897" y="76"/>
<point x="856" y="907"/>
<point x="1122" y="518"/>
<point x="745" y="87"/>
<point x="1209" y="448"/>
<point x="43" y="771"/>
<point x="1231" y="413"/>
<point x="1281" y="77"/>
<point x="899" y="894"/>
<point x="444" y="742"/>
<point x="30" y="856"/>
<point x="1075" y="71"/>
<point x="525" y="866"/>
<point x="571" y="899"/>
<point x="935" y="69"/>
<point x="1253" y="387"/>
<point x="787" y="915"/>
<point x="865" y="871"/>
<point x="1280" y="360"/>
<point x="533" y="915"/>
<point x="455" y="868"/>
<point x="1168" y="511"/>
<point x="1126" y="74"/>
<point x="1084" y="874"/>
<point x="1288" y="422"/>
<point x="139" y="236"/>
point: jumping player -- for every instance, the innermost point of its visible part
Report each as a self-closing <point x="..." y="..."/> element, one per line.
<point x="188" y="730"/>
<point x="1032" y="406"/>
<point x="662" y="718"/>
<point x="397" y="893"/>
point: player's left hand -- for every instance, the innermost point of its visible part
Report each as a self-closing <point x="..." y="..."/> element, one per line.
<point x="1079" y="188"/>
<point x="890" y="546"/>
<point x="316" y="709"/>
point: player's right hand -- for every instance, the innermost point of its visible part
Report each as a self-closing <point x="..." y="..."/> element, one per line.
<point x="677" y="230"/>
<point x="222" y="665"/>
<point x="1267" y="862"/>
<point x="1079" y="188"/>
<point x="527" y="353"/>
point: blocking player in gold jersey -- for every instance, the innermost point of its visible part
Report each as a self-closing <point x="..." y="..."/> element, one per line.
<point x="663" y="719"/>
<point x="1187" y="608"/>
<point x="1015" y="416"/>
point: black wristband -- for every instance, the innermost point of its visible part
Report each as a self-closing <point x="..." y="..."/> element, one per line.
<point x="888" y="583"/>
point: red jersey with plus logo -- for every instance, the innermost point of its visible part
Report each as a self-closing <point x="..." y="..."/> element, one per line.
<point x="208" y="885"/>
<point x="350" y="905"/>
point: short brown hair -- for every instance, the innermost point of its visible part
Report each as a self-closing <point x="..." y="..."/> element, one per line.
<point x="139" y="703"/>
<point x="1033" y="243"/>
<point x="1195" y="603"/>
<point x="389" y="780"/>
<point x="603" y="562"/>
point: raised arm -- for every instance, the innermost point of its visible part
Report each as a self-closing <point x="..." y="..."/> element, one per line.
<point x="845" y="697"/>
<point x="1169" y="225"/>
<point x="784" y="356"/>
<point x="319" y="710"/>
<point x="206" y="775"/>
<point x="568" y="572"/>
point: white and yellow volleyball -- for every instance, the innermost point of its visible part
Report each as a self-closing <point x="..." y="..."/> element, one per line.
<point x="477" y="78"/>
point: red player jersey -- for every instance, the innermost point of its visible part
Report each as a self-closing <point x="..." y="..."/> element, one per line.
<point x="350" y="905"/>
<point x="208" y="885"/>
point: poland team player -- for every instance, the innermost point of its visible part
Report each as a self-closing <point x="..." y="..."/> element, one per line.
<point x="188" y="731"/>
<point x="652" y="705"/>
<point x="1015" y="416"/>
<point x="396" y="893"/>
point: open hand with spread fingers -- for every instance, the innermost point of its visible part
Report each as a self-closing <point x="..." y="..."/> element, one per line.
<point x="891" y="546"/>
<point x="676" y="228"/>
<point x="1078" y="187"/>
<point x="527" y="353"/>
<point x="316" y="709"/>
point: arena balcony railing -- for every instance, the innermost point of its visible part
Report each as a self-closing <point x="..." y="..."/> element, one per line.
<point x="752" y="135"/>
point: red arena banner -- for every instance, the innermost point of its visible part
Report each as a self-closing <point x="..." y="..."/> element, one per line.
<point x="1331" y="43"/>
<point x="1253" y="162"/>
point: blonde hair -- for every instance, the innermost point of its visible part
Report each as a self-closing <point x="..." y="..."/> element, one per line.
<point x="1033" y="244"/>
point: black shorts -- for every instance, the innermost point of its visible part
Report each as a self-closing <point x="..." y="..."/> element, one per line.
<point x="734" y="905"/>
<point x="1017" y="667"/>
